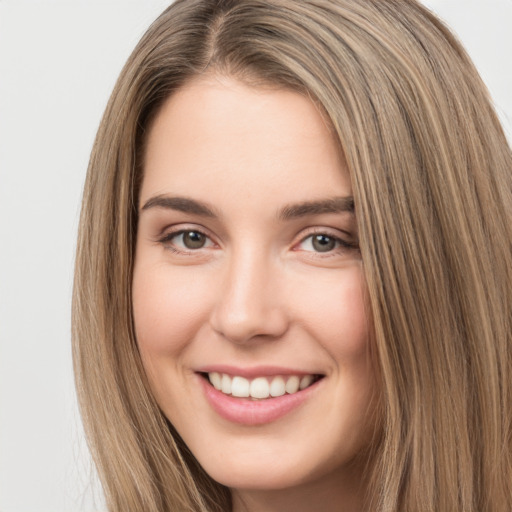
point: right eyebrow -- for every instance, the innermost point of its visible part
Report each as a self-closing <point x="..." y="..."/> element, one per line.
<point x="181" y="204"/>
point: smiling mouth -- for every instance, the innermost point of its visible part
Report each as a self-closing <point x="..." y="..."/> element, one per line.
<point x="260" y="388"/>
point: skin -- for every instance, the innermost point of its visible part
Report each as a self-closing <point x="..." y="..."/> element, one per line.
<point x="258" y="292"/>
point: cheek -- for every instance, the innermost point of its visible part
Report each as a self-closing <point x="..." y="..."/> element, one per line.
<point x="336" y="313"/>
<point x="168" y="309"/>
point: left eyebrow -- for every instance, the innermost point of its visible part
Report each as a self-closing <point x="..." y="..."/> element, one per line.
<point x="331" y="205"/>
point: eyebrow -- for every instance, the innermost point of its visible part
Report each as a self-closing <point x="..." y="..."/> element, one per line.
<point x="292" y="211"/>
<point x="331" y="205"/>
<point x="181" y="204"/>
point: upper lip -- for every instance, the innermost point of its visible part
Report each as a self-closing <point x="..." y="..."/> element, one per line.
<point x="255" y="371"/>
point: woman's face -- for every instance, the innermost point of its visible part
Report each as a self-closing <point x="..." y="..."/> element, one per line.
<point x="248" y="278"/>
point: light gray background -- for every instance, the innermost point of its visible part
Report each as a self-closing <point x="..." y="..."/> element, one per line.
<point x="58" y="63"/>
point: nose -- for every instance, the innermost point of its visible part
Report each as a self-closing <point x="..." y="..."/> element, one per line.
<point x="249" y="303"/>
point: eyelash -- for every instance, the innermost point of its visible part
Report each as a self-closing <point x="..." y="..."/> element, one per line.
<point x="341" y="245"/>
<point x="167" y="238"/>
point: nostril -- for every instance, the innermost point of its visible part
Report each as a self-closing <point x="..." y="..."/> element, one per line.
<point x="255" y="326"/>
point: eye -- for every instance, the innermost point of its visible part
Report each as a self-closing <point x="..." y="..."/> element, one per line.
<point x="325" y="243"/>
<point x="319" y="242"/>
<point x="186" y="240"/>
<point x="192" y="239"/>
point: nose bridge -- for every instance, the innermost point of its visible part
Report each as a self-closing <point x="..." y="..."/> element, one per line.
<point x="248" y="302"/>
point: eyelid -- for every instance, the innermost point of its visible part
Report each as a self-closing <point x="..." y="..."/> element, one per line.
<point x="343" y="243"/>
<point x="345" y="240"/>
<point x="171" y="232"/>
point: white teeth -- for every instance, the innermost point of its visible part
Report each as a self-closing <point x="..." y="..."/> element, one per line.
<point x="277" y="387"/>
<point x="240" y="387"/>
<point x="292" y="384"/>
<point x="226" y="384"/>
<point x="216" y="380"/>
<point x="306" y="381"/>
<point x="260" y="387"/>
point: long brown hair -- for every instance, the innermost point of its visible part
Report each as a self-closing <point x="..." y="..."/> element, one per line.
<point x="432" y="178"/>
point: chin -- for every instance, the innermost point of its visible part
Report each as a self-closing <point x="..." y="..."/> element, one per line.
<point x="262" y="467"/>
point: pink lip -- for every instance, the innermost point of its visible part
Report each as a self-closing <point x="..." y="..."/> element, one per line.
<point x="254" y="412"/>
<point x="251" y="373"/>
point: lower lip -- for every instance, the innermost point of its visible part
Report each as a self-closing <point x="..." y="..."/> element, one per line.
<point x="254" y="412"/>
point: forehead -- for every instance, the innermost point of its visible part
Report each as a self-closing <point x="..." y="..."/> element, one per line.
<point x="218" y="134"/>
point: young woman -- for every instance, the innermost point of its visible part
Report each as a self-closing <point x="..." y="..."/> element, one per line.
<point x="293" y="282"/>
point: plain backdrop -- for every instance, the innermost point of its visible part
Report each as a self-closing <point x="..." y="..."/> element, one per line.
<point x="58" y="63"/>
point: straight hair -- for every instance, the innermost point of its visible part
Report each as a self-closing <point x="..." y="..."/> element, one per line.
<point x="431" y="173"/>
